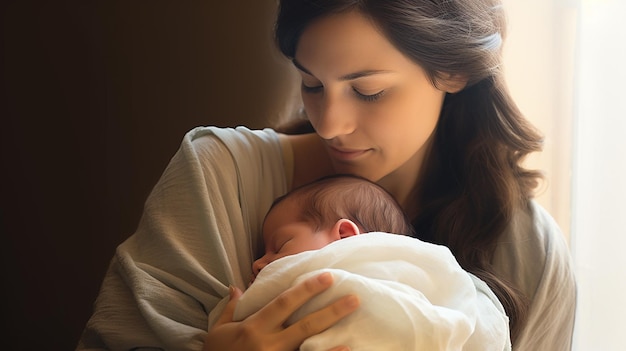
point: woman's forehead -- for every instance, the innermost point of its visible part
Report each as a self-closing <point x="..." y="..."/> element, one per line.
<point x="341" y="44"/>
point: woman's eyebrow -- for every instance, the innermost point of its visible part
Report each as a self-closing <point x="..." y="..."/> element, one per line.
<point x="349" y="76"/>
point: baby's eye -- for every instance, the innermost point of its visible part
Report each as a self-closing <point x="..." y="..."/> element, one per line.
<point x="282" y="245"/>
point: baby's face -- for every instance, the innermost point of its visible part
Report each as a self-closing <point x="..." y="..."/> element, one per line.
<point x="285" y="234"/>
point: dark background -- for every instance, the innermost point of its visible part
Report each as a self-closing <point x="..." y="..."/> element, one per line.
<point x="95" y="99"/>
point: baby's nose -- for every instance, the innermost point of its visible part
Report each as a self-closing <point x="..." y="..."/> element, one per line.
<point x="258" y="265"/>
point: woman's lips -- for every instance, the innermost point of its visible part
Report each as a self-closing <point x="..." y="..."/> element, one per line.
<point x="346" y="154"/>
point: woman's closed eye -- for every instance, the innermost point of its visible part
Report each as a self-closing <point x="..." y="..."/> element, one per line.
<point x="312" y="89"/>
<point x="368" y="97"/>
<point x="359" y="94"/>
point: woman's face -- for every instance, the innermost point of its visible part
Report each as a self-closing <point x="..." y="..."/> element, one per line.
<point x="375" y="108"/>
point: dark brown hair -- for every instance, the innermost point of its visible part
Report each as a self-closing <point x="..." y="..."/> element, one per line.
<point x="472" y="182"/>
<point x="334" y="197"/>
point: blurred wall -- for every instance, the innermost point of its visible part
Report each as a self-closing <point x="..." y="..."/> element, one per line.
<point x="95" y="98"/>
<point x="539" y="62"/>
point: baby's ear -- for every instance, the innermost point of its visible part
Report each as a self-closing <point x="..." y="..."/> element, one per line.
<point x="346" y="228"/>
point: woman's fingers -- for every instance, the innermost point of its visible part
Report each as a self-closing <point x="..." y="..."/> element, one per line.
<point x="321" y="320"/>
<point x="229" y="310"/>
<point x="276" y="312"/>
<point x="265" y="328"/>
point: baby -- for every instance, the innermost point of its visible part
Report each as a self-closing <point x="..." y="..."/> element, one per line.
<point x="414" y="294"/>
<point x="330" y="209"/>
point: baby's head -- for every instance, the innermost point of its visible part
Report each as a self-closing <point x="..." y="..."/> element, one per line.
<point x="329" y="209"/>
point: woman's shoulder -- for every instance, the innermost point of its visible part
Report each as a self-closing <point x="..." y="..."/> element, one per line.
<point x="246" y="162"/>
<point x="531" y="247"/>
<point x="534" y="222"/>
<point x="236" y="138"/>
<point x="256" y="153"/>
<point x="245" y="147"/>
<point x="533" y="226"/>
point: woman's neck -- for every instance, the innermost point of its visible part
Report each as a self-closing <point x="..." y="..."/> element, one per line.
<point x="311" y="159"/>
<point x="404" y="182"/>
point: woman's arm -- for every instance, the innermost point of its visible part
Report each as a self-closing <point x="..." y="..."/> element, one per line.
<point x="196" y="237"/>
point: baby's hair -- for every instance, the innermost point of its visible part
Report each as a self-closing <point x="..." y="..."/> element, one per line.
<point x="338" y="196"/>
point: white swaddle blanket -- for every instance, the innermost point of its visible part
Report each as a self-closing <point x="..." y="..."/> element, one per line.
<point x="414" y="296"/>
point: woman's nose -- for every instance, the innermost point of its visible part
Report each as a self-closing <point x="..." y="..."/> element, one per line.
<point x="335" y="118"/>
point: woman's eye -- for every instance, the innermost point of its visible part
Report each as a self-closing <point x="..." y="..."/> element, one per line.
<point x="368" y="97"/>
<point x="312" y="89"/>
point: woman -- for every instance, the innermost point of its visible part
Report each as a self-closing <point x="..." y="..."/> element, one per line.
<point x="409" y="94"/>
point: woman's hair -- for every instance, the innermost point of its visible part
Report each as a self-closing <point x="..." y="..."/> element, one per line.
<point x="334" y="197"/>
<point x="472" y="181"/>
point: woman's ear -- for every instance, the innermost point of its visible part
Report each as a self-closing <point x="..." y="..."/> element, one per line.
<point x="451" y="83"/>
<point x="345" y="228"/>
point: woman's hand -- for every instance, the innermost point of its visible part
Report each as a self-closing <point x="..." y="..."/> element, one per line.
<point x="264" y="329"/>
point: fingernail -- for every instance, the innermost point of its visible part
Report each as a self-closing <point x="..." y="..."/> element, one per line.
<point x="231" y="291"/>
<point x="325" y="278"/>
